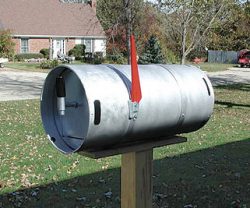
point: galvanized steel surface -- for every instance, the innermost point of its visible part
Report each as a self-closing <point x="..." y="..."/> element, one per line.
<point x="175" y="99"/>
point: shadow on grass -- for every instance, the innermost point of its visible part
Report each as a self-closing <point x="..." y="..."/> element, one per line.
<point x="230" y="105"/>
<point x="242" y="87"/>
<point x="214" y="177"/>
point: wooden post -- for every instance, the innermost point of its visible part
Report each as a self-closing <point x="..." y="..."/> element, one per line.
<point x="136" y="168"/>
<point x="136" y="179"/>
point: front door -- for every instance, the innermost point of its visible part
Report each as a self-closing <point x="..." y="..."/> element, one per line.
<point x="58" y="47"/>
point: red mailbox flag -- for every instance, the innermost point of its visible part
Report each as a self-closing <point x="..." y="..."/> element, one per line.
<point x="136" y="87"/>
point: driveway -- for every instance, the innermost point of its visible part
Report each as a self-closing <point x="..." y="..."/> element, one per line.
<point x="231" y="76"/>
<point x="16" y="85"/>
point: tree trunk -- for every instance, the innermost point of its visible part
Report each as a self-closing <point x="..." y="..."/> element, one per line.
<point x="128" y="34"/>
<point x="183" y="59"/>
<point x="183" y="44"/>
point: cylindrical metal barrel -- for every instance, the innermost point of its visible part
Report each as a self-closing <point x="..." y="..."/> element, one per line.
<point x="175" y="99"/>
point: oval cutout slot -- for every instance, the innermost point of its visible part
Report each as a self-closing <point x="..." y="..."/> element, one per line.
<point x="97" y="107"/>
<point x="208" y="90"/>
<point x="53" y="139"/>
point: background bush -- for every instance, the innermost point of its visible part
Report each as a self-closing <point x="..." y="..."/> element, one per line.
<point x="197" y="54"/>
<point x="170" y="56"/>
<point x="45" y="52"/>
<point x="23" y="56"/>
<point x="78" y="52"/>
<point x="98" y="58"/>
<point x="6" y="44"/>
<point x="49" y="64"/>
<point x="88" y="58"/>
<point x="116" y="59"/>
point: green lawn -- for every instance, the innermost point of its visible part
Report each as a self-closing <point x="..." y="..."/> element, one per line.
<point x="33" y="67"/>
<point x="210" y="170"/>
<point x="25" y="66"/>
<point x="209" y="67"/>
<point x="214" y="67"/>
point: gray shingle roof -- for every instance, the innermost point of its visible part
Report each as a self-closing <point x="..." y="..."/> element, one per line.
<point x="49" y="18"/>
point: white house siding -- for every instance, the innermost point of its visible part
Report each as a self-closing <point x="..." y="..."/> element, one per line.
<point x="100" y="46"/>
<point x="78" y="41"/>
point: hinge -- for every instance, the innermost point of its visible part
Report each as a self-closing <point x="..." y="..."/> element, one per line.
<point x="133" y="109"/>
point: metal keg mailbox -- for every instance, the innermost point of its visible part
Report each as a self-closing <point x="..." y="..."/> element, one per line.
<point x="91" y="106"/>
<point x="105" y="110"/>
<point x="88" y="106"/>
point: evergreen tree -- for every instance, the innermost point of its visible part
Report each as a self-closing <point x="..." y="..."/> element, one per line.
<point x="152" y="52"/>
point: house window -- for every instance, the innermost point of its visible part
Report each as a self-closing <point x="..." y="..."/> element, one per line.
<point x="88" y="44"/>
<point x="24" y="45"/>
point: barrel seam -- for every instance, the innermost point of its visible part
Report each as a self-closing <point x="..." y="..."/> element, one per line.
<point x="182" y="114"/>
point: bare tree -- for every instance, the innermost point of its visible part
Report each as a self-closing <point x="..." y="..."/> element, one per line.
<point x="128" y="23"/>
<point x="187" y="22"/>
<point x="131" y="11"/>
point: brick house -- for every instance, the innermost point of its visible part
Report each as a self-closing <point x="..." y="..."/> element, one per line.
<point x="38" y="24"/>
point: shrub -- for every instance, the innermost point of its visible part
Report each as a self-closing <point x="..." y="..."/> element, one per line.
<point x="78" y="52"/>
<point x="170" y="56"/>
<point x="202" y="54"/>
<point x="6" y="44"/>
<point x="49" y="64"/>
<point x="116" y="59"/>
<point x="98" y="58"/>
<point x="45" y="52"/>
<point x="88" y="58"/>
<point x="23" y="56"/>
